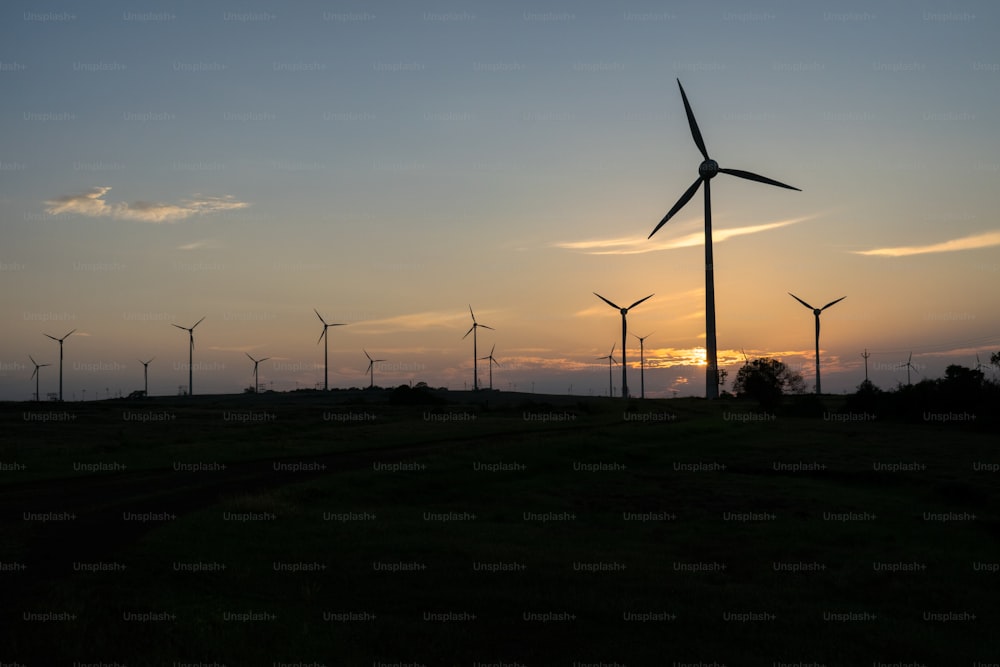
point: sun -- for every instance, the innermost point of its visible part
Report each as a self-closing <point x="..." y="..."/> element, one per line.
<point x="700" y="356"/>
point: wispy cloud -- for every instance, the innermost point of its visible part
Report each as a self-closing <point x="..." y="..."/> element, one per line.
<point x="92" y="204"/>
<point x="984" y="240"/>
<point x="199" y="245"/>
<point x="635" y="245"/>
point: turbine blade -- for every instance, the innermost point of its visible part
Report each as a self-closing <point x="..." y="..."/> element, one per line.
<point x="67" y="335"/>
<point x="36" y="363"/>
<point x="495" y="347"/>
<point x="468" y="332"/>
<point x="366" y="354"/>
<point x="35" y="373"/>
<point x="801" y="301"/>
<point x="250" y="358"/>
<point x="198" y="322"/>
<point x="486" y="327"/>
<point x="56" y="339"/>
<point x="610" y="303"/>
<point x="685" y="198"/>
<point x="833" y="302"/>
<point x="321" y="335"/>
<point x="638" y="302"/>
<point x="176" y="325"/>
<point x="756" y="177"/>
<point x="263" y="360"/>
<point x="319" y="316"/>
<point x="695" y="132"/>
<point x="472" y="313"/>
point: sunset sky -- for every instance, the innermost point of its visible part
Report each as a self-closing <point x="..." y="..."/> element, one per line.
<point x="389" y="164"/>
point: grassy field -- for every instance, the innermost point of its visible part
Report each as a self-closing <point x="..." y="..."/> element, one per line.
<point x="351" y="530"/>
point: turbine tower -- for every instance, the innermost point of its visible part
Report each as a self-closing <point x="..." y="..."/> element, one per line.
<point x="256" y="362"/>
<point x="475" y="366"/>
<point x="145" y="375"/>
<point x="326" y="350"/>
<point x="706" y="172"/>
<point x="36" y="376"/>
<point x="624" y="312"/>
<point x="371" y="368"/>
<point x="611" y="360"/>
<point x="642" y="365"/>
<point x="492" y="361"/>
<point x="60" y="341"/>
<point x="190" y="331"/>
<point x="816" y="312"/>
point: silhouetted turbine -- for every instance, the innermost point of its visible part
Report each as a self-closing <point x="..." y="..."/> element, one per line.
<point x="60" y="341"/>
<point x="256" y="384"/>
<point x="475" y="366"/>
<point x="642" y="365"/>
<point x="908" y="367"/>
<point x="816" y="312"/>
<point x="145" y="375"/>
<point x="706" y="172"/>
<point x="326" y="350"/>
<point x="190" y="331"/>
<point x="371" y="367"/>
<point x="36" y="376"/>
<point x="492" y="361"/>
<point x="624" y="312"/>
<point x="611" y="360"/>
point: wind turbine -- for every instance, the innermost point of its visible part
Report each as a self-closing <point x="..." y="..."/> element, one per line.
<point x="642" y="365"/>
<point x="36" y="375"/>
<point x="256" y="385"/>
<point x="866" y="355"/>
<point x="816" y="312"/>
<point x="371" y="368"/>
<point x="624" y="312"/>
<point x="145" y="375"/>
<point x="611" y="360"/>
<point x="190" y="331"/>
<point x="326" y="350"/>
<point x="475" y="366"/>
<point x="908" y="367"/>
<point x="707" y="170"/>
<point x="60" y="341"/>
<point x="492" y="361"/>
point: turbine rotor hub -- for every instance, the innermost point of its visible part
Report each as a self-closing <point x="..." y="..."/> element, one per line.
<point x="817" y="311"/>
<point x="708" y="169"/>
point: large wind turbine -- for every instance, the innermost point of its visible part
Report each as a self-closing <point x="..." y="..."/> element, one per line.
<point x="60" y="341"/>
<point x="492" y="361"/>
<point x="624" y="312"/>
<point x="611" y="360"/>
<point x="706" y="172"/>
<point x="642" y="364"/>
<point x="190" y="331"/>
<point x="145" y="375"/>
<point x="472" y="330"/>
<point x="256" y="362"/>
<point x="326" y="350"/>
<point x="910" y="366"/>
<point x="36" y="376"/>
<point x="371" y="368"/>
<point x="816" y="312"/>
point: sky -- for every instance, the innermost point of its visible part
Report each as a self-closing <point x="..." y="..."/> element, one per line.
<point x="391" y="164"/>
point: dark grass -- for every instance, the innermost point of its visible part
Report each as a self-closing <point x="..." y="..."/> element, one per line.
<point x="549" y="582"/>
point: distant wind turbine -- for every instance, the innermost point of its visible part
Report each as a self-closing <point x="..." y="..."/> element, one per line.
<point x="190" y="331"/>
<point x="256" y="362"/>
<point x="371" y="367"/>
<point x="642" y="364"/>
<point x="326" y="350"/>
<point x="36" y="375"/>
<point x="866" y="355"/>
<point x="816" y="312"/>
<point x="611" y="360"/>
<point x="60" y="341"/>
<point x="145" y="375"/>
<point x="475" y="366"/>
<point x="624" y="312"/>
<point x="706" y="172"/>
<point x="492" y="361"/>
<point x="910" y="366"/>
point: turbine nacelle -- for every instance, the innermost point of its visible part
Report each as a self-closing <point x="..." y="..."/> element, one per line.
<point x="708" y="169"/>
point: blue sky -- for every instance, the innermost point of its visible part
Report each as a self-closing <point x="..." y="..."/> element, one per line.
<point x="391" y="163"/>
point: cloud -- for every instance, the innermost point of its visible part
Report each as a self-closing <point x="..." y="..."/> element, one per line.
<point x="984" y="240"/>
<point x="92" y="204"/>
<point x="199" y="245"/>
<point x="635" y="245"/>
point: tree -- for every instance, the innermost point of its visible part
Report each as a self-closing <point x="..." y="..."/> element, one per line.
<point x="766" y="380"/>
